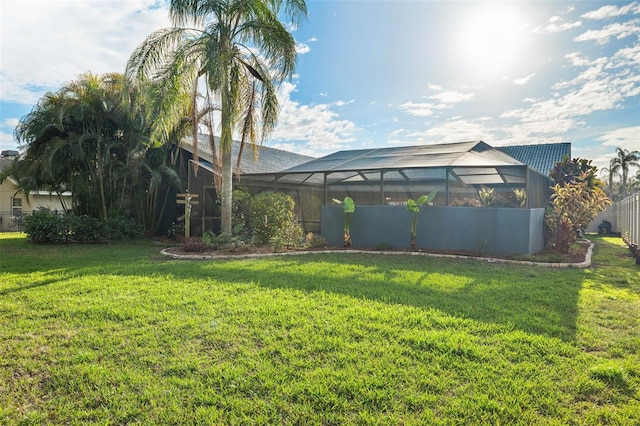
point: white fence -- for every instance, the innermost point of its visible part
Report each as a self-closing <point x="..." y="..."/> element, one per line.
<point x="628" y="218"/>
<point x="624" y="217"/>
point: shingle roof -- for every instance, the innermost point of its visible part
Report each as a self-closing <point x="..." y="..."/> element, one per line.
<point x="541" y="157"/>
<point x="270" y="160"/>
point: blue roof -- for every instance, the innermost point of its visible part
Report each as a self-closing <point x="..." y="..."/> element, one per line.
<point x="540" y="157"/>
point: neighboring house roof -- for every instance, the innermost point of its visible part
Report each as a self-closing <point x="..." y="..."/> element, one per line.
<point x="270" y="160"/>
<point x="541" y="157"/>
<point x="6" y="162"/>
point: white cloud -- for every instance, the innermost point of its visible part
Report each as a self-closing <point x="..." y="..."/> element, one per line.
<point x="72" y="37"/>
<point x="343" y="103"/>
<point x="313" y="129"/>
<point x="523" y="80"/>
<point x="434" y="87"/>
<point x="577" y="59"/>
<point x="10" y="122"/>
<point x="616" y="30"/>
<point x="625" y="137"/>
<point x="611" y="11"/>
<point x="556" y="26"/>
<point x="7" y="141"/>
<point x="455" y="130"/>
<point x="418" y="109"/>
<point x="452" y="96"/>
<point x="302" y="48"/>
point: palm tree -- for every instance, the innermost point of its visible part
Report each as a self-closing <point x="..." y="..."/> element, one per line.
<point x="241" y="50"/>
<point x="622" y="162"/>
<point x="610" y="176"/>
<point x="89" y="139"/>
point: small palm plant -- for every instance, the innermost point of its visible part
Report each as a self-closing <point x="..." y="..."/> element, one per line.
<point x="521" y="196"/>
<point x="487" y="197"/>
<point x="348" y="207"/>
<point x="414" y="207"/>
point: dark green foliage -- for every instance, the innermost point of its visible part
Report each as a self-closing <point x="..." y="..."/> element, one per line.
<point x="571" y="171"/>
<point x="84" y="228"/>
<point x="44" y="226"/>
<point x="271" y="216"/>
<point x="123" y="228"/>
<point x="91" y="138"/>
<point x="505" y="199"/>
<point x="241" y="210"/>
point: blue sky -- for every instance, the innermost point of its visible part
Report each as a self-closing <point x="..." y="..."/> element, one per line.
<point x="382" y="73"/>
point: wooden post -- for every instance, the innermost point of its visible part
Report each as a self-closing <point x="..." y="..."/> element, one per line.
<point x="188" y="201"/>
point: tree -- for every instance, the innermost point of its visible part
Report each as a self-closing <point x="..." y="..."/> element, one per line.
<point x="241" y="50"/>
<point x="92" y="140"/>
<point x="622" y="162"/>
<point x="610" y="176"/>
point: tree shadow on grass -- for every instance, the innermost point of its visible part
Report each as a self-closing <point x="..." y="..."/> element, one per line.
<point x="527" y="298"/>
<point x="30" y="286"/>
<point x="532" y="299"/>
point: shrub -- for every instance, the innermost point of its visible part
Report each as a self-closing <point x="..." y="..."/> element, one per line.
<point x="287" y="238"/>
<point x="240" y="210"/>
<point x="466" y="202"/>
<point x="271" y="216"/>
<point x="314" y="241"/>
<point x="227" y="242"/>
<point x="575" y="205"/>
<point x="123" y="228"/>
<point x="505" y="199"/>
<point x="44" y="226"/>
<point x="85" y="229"/>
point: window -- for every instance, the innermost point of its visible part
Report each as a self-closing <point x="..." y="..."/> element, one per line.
<point x="16" y="207"/>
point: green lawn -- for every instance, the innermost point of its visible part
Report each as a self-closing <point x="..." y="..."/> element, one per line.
<point x="115" y="334"/>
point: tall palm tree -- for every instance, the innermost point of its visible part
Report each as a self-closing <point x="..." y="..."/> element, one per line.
<point x="89" y="139"/>
<point x="241" y="51"/>
<point x="610" y="176"/>
<point x="622" y="162"/>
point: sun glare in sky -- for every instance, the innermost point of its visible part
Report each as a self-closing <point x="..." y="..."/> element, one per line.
<point x="490" y="41"/>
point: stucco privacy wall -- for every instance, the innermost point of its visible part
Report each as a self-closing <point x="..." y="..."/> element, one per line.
<point x="488" y="230"/>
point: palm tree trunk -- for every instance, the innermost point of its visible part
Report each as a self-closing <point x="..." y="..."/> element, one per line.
<point x="227" y="191"/>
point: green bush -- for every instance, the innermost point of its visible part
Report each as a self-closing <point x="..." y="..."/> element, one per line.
<point x="315" y="241"/>
<point x="241" y="209"/>
<point x="44" y="226"/>
<point x="123" y="228"/>
<point x="271" y="216"/>
<point x="84" y="229"/>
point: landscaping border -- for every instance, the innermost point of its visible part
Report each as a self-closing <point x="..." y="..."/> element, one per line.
<point x="584" y="264"/>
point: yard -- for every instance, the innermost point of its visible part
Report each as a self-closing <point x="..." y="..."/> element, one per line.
<point x="117" y="333"/>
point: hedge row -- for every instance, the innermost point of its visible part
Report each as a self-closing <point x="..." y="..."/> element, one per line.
<point x="44" y="226"/>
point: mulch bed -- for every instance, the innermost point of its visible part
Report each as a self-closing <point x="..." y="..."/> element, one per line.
<point x="576" y="254"/>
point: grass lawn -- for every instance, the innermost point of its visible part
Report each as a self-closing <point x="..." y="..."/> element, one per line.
<point x="115" y="334"/>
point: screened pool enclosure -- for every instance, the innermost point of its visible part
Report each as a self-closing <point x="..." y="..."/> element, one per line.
<point x="461" y="173"/>
<point x="486" y="200"/>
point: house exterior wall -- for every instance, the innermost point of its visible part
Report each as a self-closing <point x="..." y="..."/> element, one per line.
<point x="10" y="220"/>
<point x="485" y="230"/>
